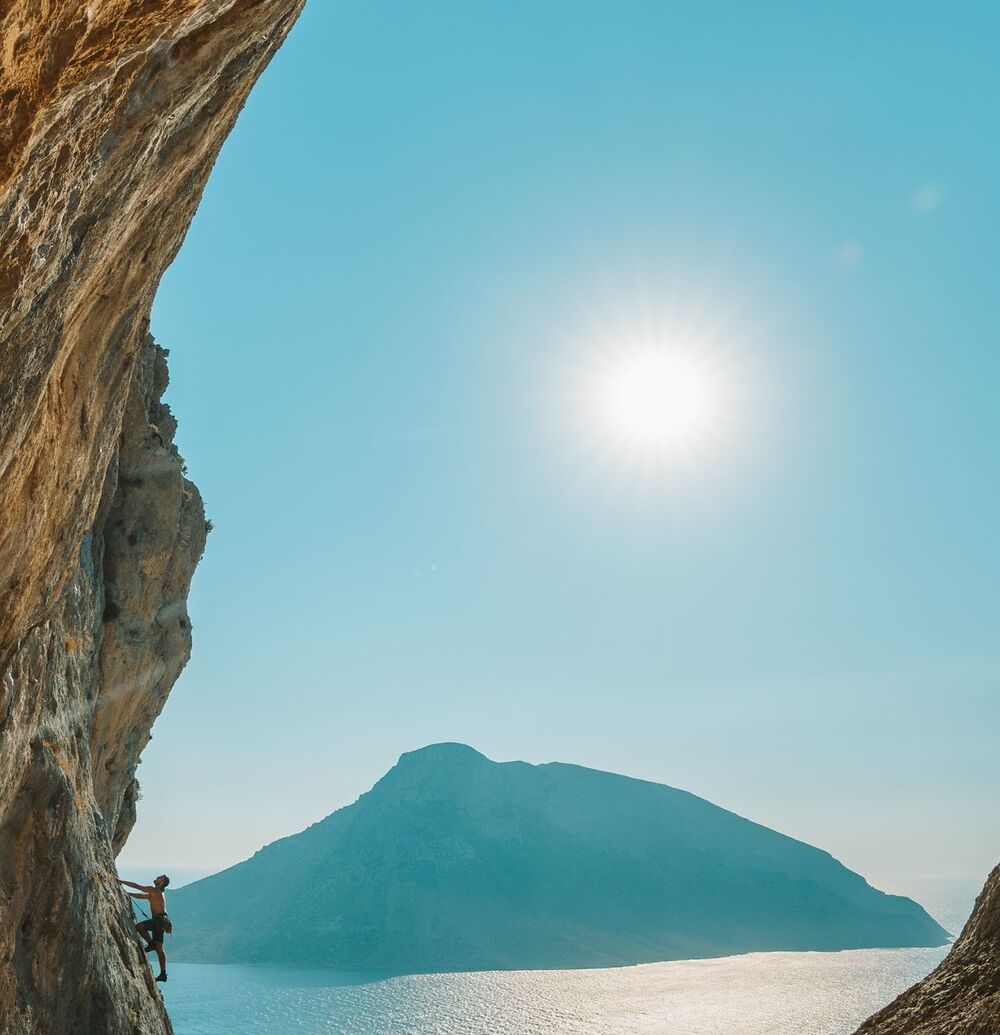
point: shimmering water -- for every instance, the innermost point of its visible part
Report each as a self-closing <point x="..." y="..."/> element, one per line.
<point x="806" y="993"/>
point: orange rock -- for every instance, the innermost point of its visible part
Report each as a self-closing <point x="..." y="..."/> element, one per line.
<point x="112" y="113"/>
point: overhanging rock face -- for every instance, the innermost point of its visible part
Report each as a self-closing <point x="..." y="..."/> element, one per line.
<point x="962" y="996"/>
<point x="111" y="115"/>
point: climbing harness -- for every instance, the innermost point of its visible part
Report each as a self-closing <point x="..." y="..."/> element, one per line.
<point x="166" y="925"/>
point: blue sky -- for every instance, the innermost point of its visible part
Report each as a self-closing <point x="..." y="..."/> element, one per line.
<point x="428" y="220"/>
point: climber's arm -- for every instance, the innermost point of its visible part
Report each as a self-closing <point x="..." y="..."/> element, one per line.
<point x="138" y="887"/>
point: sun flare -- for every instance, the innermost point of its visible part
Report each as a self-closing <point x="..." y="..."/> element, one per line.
<point x="648" y="401"/>
<point x="655" y="400"/>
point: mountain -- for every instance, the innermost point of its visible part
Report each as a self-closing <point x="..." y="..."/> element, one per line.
<point x="454" y="862"/>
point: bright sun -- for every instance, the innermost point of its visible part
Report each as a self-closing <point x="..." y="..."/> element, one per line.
<point x="660" y="403"/>
<point x="658" y="400"/>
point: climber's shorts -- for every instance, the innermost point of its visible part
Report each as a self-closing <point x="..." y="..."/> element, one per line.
<point x="155" y="928"/>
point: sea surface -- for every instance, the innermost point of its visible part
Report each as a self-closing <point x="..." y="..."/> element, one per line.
<point x="772" y="993"/>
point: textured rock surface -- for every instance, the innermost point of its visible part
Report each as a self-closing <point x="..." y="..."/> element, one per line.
<point x="79" y="697"/>
<point x="962" y="996"/>
<point x="153" y="534"/>
<point x="111" y="115"/>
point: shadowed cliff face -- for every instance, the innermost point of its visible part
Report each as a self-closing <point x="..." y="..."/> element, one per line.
<point x="962" y="996"/>
<point x="113" y="113"/>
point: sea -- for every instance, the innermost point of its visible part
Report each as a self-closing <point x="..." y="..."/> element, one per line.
<point x="766" y="993"/>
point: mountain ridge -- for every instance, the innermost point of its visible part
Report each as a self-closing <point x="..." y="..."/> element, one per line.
<point x="452" y="861"/>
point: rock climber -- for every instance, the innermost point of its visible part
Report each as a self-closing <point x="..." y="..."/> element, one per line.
<point x="151" y="930"/>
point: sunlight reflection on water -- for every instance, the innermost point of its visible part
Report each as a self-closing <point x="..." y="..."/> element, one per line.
<point x="782" y="993"/>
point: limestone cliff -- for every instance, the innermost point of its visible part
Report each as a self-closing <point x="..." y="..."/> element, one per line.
<point x="962" y="996"/>
<point x="111" y="116"/>
<point x="79" y="697"/>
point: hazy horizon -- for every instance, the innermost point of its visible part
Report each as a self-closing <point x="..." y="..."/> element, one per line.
<point x="181" y="875"/>
<point x="427" y="249"/>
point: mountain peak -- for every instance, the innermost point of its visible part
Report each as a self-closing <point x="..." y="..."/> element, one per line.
<point x="447" y="752"/>
<point x="443" y="769"/>
<point x="455" y="862"/>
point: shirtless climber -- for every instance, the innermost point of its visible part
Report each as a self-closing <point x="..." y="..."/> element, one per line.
<point x="151" y="931"/>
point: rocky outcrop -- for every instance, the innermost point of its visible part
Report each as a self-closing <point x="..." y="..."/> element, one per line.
<point x="112" y="115"/>
<point x="962" y="996"/>
<point x="80" y="695"/>
<point x="152" y="535"/>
